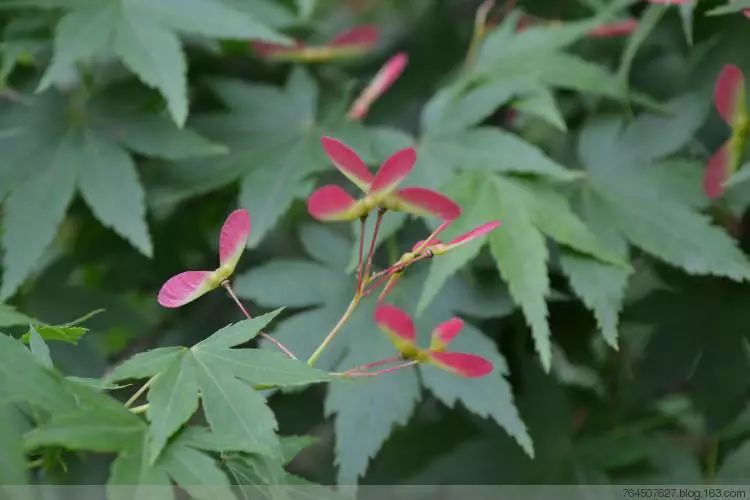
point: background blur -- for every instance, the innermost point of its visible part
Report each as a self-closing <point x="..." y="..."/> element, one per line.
<point x="589" y="145"/>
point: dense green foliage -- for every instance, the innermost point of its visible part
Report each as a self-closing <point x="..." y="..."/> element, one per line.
<point x="613" y="301"/>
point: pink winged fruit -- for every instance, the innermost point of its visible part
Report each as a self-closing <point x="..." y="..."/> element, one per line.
<point x="731" y="103"/>
<point x="333" y="203"/>
<point x="381" y="82"/>
<point x="189" y="285"/>
<point x="399" y="327"/>
<point x="350" y="43"/>
<point x="614" y="29"/>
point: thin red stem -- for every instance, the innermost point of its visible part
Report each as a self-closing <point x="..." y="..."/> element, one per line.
<point x="336" y="329"/>
<point x="380" y="281"/>
<point x="230" y="291"/>
<point x="383" y="371"/>
<point x="374" y="364"/>
<point x="431" y="238"/>
<point x="373" y="243"/>
<point x="387" y="273"/>
<point x="384" y="273"/>
<point x="266" y="336"/>
<point x="480" y="30"/>
<point x="360" y="263"/>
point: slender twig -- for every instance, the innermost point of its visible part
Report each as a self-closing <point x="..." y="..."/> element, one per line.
<point x="335" y="330"/>
<point x="357" y="295"/>
<point x="431" y="238"/>
<point x="393" y="271"/>
<point x="140" y="391"/>
<point x="381" y="372"/>
<point x="228" y="286"/>
<point x="379" y="278"/>
<point x="373" y="243"/>
<point x="374" y="364"/>
<point x="384" y="273"/>
<point x="230" y="291"/>
<point x="480" y="30"/>
<point x="360" y="263"/>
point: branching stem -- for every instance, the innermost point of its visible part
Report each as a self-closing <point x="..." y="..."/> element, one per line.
<point x="228" y="286"/>
<point x="140" y="391"/>
<point x="374" y="364"/>
<point x="336" y="329"/>
<point x="362" y="283"/>
<point x="381" y="372"/>
<point x="371" y="251"/>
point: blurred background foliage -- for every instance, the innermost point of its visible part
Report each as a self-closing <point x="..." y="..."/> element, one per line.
<point x="613" y="299"/>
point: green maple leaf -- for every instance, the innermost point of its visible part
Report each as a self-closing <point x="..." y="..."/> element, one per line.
<point x="54" y="149"/>
<point x="24" y="380"/>
<point x="442" y="155"/>
<point x="39" y="349"/>
<point x="186" y="465"/>
<point x="145" y="364"/>
<point x="381" y="403"/>
<point x="100" y="423"/>
<point x="144" y="36"/>
<point x="80" y="417"/>
<point x="274" y="139"/>
<point x="635" y="196"/>
<point x="70" y="332"/>
<point x="12" y="459"/>
<point x="85" y="419"/>
<point x="601" y="286"/>
<point x="566" y="453"/>
<point x="529" y="211"/>
<point x="559" y="458"/>
<point x="218" y="375"/>
<point x="523" y="65"/>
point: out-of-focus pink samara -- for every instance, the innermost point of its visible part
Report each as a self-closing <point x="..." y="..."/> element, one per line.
<point x="347" y="44"/>
<point x="614" y="29"/>
<point x="399" y="327"/>
<point x="189" y="285"/>
<point x="731" y="104"/>
<point x="384" y="78"/>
